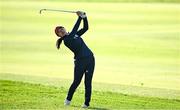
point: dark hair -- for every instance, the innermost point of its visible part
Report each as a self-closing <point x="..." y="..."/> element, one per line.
<point x="57" y="28"/>
<point x="59" y="41"/>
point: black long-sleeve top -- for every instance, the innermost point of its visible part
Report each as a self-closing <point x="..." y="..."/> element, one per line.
<point x="75" y="43"/>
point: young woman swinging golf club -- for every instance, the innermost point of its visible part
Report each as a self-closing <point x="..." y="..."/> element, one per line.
<point x="83" y="57"/>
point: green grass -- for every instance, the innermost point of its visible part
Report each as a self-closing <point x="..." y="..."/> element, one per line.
<point x="19" y="95"/>
<point x="140" y="90"/>
<point x="136" y="45"/>
<point x="132" y="43"/>
<point x="116" y="1"/>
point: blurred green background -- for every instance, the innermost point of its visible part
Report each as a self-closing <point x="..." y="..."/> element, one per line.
<point x="136" y="44"/>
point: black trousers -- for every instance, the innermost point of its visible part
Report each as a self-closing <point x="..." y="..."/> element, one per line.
<point x="83" y="66"/>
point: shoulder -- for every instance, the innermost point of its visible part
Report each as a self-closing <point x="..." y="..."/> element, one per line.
<point x="67" y="38"/>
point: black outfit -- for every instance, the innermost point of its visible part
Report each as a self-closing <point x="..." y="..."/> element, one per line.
<point x="84" y="59"/>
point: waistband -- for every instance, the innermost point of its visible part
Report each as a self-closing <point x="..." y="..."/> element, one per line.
<point x="84" y="57"/>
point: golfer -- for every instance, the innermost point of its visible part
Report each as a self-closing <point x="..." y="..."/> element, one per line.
<point x="84" y="61"/>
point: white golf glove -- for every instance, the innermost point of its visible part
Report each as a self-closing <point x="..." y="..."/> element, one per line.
<point x="83" y="15"/>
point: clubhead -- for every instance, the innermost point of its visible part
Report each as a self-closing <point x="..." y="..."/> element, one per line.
<point x="41" y="11"/>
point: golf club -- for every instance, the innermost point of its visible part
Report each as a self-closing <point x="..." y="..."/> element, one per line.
<point x="56" y="10"/>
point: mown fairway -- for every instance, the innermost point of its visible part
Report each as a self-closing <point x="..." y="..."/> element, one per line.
<point x="31" y="96"/>
<point x="135" y="44"/>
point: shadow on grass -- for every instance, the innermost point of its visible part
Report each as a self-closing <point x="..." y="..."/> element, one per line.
<point x="94" y="108"/>
<point x="98" y="108"/>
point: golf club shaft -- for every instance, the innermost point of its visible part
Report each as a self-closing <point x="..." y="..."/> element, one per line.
<point x="57" y="10"/>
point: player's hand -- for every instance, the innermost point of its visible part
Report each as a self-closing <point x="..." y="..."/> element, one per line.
<point x="81" y="14"/>
<point x="78" y="13"/>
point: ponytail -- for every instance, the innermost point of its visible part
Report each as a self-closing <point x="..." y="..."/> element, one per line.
<point x="58" y="42"/>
